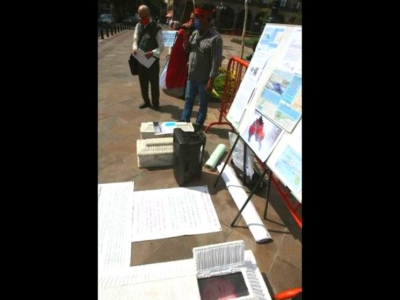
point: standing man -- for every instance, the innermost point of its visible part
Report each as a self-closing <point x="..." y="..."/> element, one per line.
<point x="204" y="46"/>
<point x="148" y="37"/>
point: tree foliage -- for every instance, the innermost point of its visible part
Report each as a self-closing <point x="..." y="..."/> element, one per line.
<point x="123" y="8"/>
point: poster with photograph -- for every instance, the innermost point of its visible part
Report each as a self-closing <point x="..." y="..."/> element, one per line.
<point x="260" y="134"/>
<point x="273" y="80"/>
<point x="281" y="96"/>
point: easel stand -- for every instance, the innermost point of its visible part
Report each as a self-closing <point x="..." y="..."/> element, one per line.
<point x="284" y="194"/>
<point x="250" y="196"/>
<point x="226" y="161"/>
<point x="245" y="178"/>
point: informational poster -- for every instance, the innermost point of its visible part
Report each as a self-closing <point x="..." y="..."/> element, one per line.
<point x="286" y="163"/>
<point x="273" y="80"/>
<point x="281" y="96"/>
<point x="268" y="104"/>
<point x="265" y="50"/>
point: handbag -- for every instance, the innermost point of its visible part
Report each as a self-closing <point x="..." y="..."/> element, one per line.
<point x="133" y="65"/>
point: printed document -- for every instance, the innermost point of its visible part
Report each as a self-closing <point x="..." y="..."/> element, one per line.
<point x="140" y="56"/>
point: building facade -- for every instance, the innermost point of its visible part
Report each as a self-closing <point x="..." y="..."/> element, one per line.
<point x="229" y="15"/>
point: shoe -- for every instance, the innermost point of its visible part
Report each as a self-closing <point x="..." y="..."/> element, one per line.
<point x="197" y="127"/>
<point x="156" y="108"/>
<point x="144" y="105"/>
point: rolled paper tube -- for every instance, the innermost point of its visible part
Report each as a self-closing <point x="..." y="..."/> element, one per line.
<point x="249" y="213"/>
<point x="215" y="156"/>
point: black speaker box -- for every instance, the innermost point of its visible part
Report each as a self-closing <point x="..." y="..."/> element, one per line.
<point x="188" y="154"/>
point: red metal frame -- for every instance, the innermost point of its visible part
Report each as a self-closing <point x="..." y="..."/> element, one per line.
<point x="238" y="67"/>
<point x="287" y="294"/>
<point x="293" y="209"/>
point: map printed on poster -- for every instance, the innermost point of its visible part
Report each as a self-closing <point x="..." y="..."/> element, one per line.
<point x="270" y="39"/>
<point x="281" y="97"/>
<point x="286" y="161"/>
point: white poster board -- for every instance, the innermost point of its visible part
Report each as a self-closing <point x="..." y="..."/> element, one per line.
<point x="271" y="92"/>
<point x="286" y="161"/>
<point x="273" y="80"/>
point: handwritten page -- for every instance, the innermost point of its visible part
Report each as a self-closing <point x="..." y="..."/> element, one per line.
<point x="173" y="280"/>
<point x="165" y="213"/>
<point x="115" y="202"/>
<point x="140" y="56"/>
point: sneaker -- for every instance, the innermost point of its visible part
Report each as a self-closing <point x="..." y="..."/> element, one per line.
<point x="144" y="105"/>
<point x="156" y="108"/>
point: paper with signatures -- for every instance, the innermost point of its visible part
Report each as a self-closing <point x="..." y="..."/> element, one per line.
<point x="165" y="213"/>
<point x="114" y="223"/>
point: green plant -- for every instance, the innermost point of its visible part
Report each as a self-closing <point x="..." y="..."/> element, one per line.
<point x="218" y="89"/>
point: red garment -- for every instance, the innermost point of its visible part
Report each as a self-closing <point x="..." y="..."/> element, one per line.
<point x="257" y="129"/>
<point x="177" y="66"/>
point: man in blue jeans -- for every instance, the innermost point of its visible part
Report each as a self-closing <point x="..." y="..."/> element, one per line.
<point x="204" y="46"/>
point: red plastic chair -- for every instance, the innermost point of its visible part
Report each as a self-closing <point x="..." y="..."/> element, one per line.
<point x="287" y="294"/>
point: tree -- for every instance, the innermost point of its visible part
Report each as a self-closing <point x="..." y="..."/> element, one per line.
<point x="246" y="10"/>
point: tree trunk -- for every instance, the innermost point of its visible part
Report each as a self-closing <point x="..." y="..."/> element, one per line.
<point x="244" y="27"/>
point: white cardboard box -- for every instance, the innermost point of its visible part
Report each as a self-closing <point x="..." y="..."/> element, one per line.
<point x="147" y="129"/>
<point x="155" y="152"/>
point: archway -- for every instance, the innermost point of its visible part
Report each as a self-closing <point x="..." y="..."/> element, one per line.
<point x="225" y="18"/>
<point x="240" y="20"/>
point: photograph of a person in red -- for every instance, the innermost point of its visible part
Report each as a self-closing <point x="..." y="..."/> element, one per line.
<point x="257" y="129"/>
<point x="224" y="287"/>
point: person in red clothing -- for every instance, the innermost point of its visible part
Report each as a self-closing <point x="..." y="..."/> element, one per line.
<point x="257" y="129"/>
<point x="176" y="72"/>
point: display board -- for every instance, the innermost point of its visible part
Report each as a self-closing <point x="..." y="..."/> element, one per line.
<point x="272" y="84"/>
<point x="268" y="104"/>
<point x="285" y="161"/>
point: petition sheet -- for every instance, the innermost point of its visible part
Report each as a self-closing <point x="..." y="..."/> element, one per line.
<point x="165" y="213"/>
<point x="115" y="202"/>
<point x="172" y="280"/>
